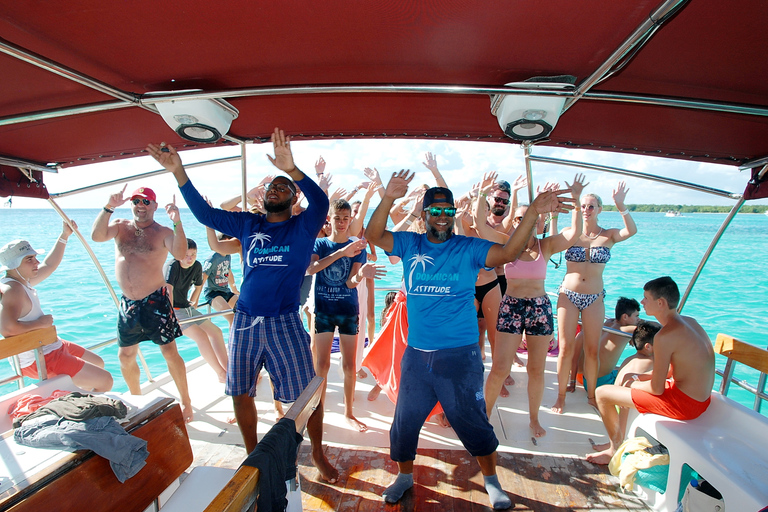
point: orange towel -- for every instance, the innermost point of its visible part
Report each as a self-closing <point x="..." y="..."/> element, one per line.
<point x="384" y="355"/>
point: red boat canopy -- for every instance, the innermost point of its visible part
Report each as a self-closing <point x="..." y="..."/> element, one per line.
<point x="707" y="53"/>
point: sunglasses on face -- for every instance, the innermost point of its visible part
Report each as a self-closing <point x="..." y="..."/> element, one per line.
<point x="139" y="200"/>
<point x="501" y="200"/>
<point x="518" y="218"/>
<point x="588" y="207"/>
<point x="280" y="188"/>
<point x="436" y="211"/>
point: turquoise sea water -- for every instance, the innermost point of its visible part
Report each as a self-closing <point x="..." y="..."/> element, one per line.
<point x="728" y="297"/>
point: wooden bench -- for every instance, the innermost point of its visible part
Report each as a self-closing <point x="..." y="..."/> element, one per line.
<point x="226" y="490"/>
<point x="727" y="445"/>
<point x="32" y="340"/>
<point x="42" y="479"/>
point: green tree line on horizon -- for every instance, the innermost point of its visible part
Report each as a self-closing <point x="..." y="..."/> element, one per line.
<point x="695" y="208"/>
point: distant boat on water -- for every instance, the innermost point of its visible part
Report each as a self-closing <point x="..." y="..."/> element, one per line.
<point x="673" y="213"/>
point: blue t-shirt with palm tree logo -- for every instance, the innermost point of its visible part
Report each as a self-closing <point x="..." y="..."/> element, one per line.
<point x="440" y="284"/>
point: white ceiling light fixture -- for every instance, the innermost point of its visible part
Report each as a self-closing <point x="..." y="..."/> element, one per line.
<point x="527" y="117"/>
<point x="205" y="120"/>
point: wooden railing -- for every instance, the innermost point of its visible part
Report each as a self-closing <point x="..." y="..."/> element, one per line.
<point x="744" y="353"/>
<point x="32" y="340"/>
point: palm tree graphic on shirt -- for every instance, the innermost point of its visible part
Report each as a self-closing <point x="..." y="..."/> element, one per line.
<point x="416" y="260"/>
<point x="261" y="238"/>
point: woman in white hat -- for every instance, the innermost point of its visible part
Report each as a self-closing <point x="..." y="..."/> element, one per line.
<point x="20" y="312"/>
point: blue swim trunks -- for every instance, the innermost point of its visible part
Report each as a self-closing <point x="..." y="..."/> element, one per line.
<point x="605" y="379"/>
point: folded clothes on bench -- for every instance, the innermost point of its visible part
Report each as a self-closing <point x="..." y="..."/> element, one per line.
<point x="126" y="453"/>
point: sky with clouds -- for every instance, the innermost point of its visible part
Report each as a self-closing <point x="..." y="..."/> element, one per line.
<point x="461" y="163"/>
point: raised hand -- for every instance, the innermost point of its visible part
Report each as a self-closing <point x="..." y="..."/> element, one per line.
<point x="283" y="158"/>
<point x="373" y="175"/>
<point x="577" y="187"/>
<point x="520" y="182"/>
<point x="550" y="185"/>
<point x="431" y="162"/>
<point x="489" y="179"/>
<point x="117" y="199"/>
<point x="320" y="166"/>
<point x="552" y="201"/>
<point x="398" y="184"/>
<point x="371" y="188"/>
<point x="620" y="193"/>
<point x="173" y="211"/>
<point x="66" y="229"/>
<point x="373" y="271"/>
<point x="337" y="194"/>
<point x="325" y="182"/>
<point x="354" y="248"/>
<point x="166" y="156"/>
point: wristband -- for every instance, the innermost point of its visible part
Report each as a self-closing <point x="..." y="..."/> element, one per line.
<point x="624" y="213"/>
<point x="484" y="195"/>
<point x="108" y="209"/>
<point x="63" y="241"/>
<point x="408" y="222"/>
<point x="176" y="224"/>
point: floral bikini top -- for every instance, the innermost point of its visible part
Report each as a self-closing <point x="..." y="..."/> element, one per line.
<point x="578" y="254"/>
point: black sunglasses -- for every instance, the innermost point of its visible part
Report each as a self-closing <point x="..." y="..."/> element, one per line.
<point x="436" y="211"/>
<point x="139" y="200"/>
<point x="501" y="200"/>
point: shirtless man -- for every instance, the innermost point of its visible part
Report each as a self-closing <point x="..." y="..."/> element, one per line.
<point x="612" y="344"/>
<point x="683" y="373"/>
<point x="145" y="312"/>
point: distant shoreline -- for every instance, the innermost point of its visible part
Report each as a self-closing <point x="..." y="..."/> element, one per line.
<point x="664" y="208"/>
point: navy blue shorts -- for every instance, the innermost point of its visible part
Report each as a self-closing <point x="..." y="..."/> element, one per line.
<point x="280" y="344"/>
<point x="150" y="318"/>
<point x="454" y="376"/>
<point x="347" y="324"/>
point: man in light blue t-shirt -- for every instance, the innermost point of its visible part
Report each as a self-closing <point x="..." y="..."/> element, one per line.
<point x="439" y="270"/>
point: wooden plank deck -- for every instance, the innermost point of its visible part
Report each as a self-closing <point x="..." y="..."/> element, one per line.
<point x="549" y="475"/>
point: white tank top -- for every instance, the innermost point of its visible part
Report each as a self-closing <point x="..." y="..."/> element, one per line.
<point x="27" y="358"/>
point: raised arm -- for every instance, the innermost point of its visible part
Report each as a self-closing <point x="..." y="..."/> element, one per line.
<point x="357" y="223"/>
<point x="431" y="164"/>
<point x="55" y="255"/>
<point x="630" y="228"/>
<point x="549" y="201"/>
<point x="376" y="230"/>
<point x="176" y="242"/>
<point x="373" y="175"/>
<point x="350" y="251"/>
<point x="561" y="241"/>
<point x="480" y="214"/>
<point x="102" y="229"/>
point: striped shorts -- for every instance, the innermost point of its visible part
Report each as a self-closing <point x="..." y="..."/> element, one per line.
<point x="280" y="344"/>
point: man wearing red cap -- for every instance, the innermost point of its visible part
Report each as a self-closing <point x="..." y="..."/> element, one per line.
<point x="145" y="312"/>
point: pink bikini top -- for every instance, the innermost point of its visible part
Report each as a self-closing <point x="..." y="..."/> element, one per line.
<point x="519" y="269"/>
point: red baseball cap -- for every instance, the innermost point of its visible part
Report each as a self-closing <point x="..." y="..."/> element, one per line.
<point x="146" y="193"/>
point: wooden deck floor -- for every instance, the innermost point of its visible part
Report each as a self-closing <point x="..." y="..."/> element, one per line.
<point x="549" y="475"/>
<point x="450" y="480"/>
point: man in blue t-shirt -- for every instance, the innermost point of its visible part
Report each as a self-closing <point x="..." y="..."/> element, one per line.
<point x="339" y="265"/>
<point x="267" y="331"/>
<point x="439" y="271"/>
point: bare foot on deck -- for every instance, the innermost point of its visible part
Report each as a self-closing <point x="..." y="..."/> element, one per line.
<point x="518" y="361"/>
<point x="187" y="413"/>
<point x="592" y="402"/>
<point x="602" y="458"/>
<point x="571" y="388"/>
<point x="356" y="424"/>
<point x="328" y="473"/>
<point x="504" y="391"/>
<point x="361" y="374"/>
<point x="231" y="420"/>
<point x="373" y="394"/>
<point x="559" y="404"/>
<point x="601" y="447"/>
<point x="536" y="429"/>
